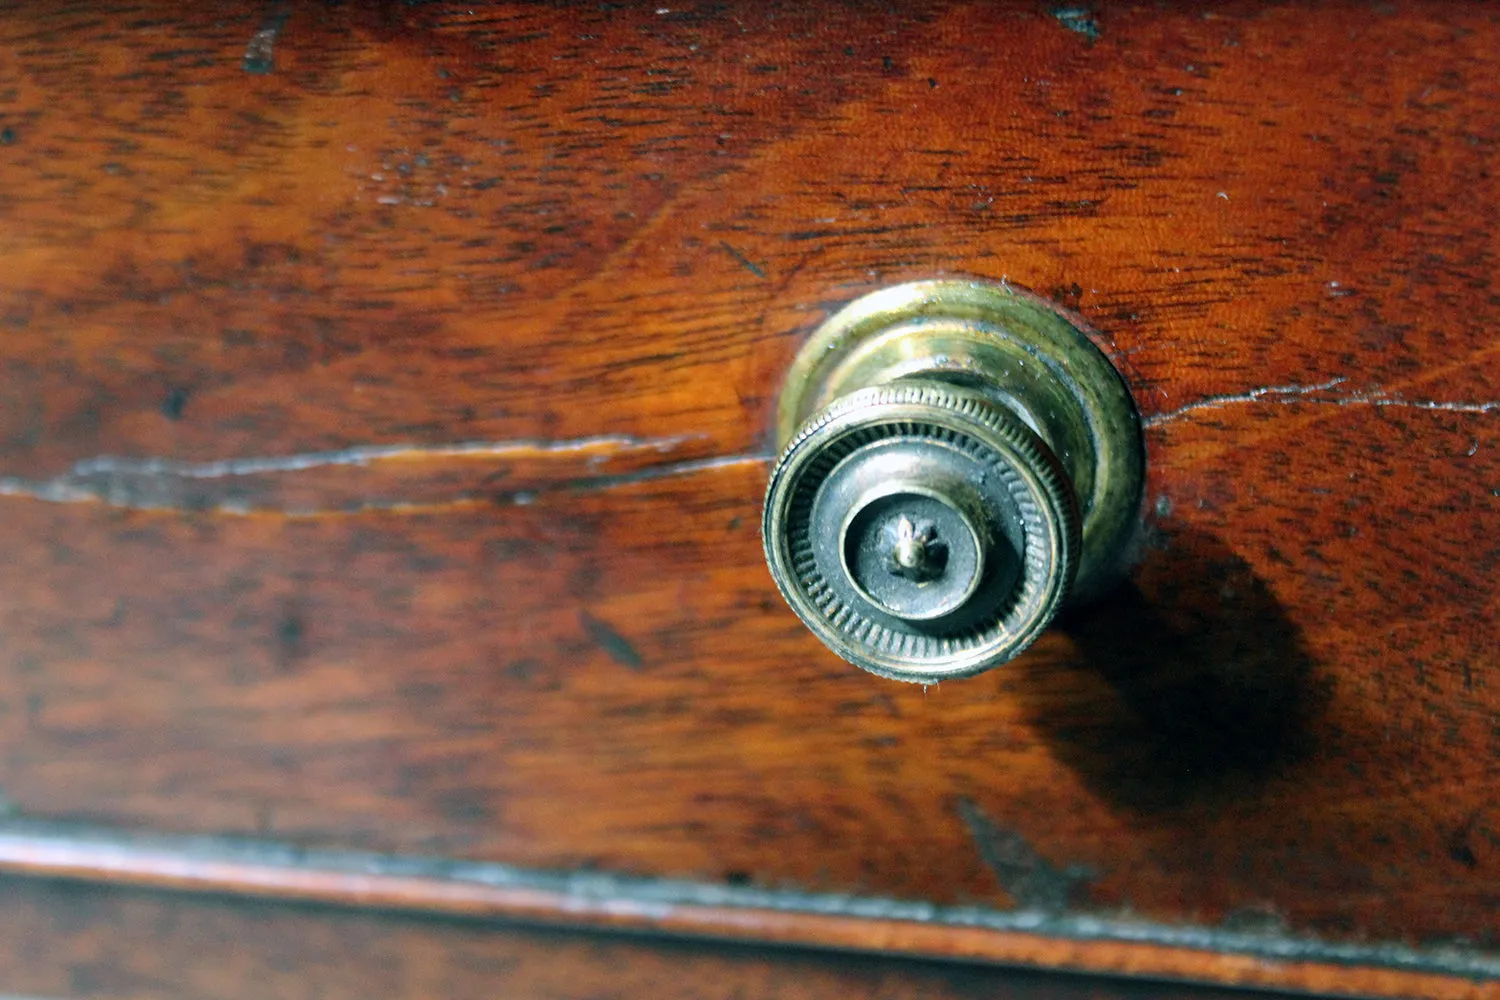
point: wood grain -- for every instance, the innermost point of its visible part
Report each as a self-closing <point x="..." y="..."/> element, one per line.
<point x="382" y="439"/>
<point x="1246" y="955"/>
<point x="83" y="942"/>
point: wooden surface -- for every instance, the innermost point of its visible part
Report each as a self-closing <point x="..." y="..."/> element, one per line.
<point x="1246" y="955"/>
<point x="82" y="943"/>
<point x="383" y="423"/>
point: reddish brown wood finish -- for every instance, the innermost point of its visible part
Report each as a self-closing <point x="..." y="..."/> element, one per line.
<point x="541" y="267"/>
<point x="85" y="943"/>
<point x="395" y="888"/>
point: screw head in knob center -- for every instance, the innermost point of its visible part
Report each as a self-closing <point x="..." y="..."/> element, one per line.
<point x="912" y="552"/>
<point x="918" y="554"/>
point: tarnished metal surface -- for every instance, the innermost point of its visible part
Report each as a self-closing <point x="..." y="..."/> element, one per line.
<point x="956" y="454"/>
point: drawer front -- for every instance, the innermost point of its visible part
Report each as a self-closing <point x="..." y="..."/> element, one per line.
<point x="388" y="402"/>
<point x="60" y="941"/>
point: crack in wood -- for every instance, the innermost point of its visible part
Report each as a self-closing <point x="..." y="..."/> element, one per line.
<point x="154" y="484"/>
<point x="1294" y="393"/>
<point x="363" y="455"/>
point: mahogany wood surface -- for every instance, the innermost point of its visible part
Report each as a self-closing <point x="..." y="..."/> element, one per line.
<point x="1243" y="957"/>
<point x="385" y="395"/>
<point x="86" y="943"/>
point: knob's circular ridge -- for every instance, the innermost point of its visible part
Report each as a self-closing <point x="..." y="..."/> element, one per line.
<point x="958" y="449"/>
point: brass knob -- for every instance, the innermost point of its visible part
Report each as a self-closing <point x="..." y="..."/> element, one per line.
<point x="958" y="459"/>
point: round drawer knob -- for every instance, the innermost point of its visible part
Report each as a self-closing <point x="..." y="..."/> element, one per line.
<point x="925" y="519"/>
<point x="928" y="532"/>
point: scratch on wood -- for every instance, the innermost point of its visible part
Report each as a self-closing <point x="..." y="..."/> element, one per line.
<point x="362" y="455"/>
<point x="1270" y="393"/>
<point x="1310" y="394"/>
<point x="260" y="53"/>
<point x="1031" y="881"/>
<point x="157" y="484"/>
<point x="1423" y="404"/>
<point x="742" y="260"/>
<point x="670" y="470"/>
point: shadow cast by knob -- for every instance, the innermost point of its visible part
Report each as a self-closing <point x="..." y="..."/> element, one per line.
<point x="1201" y="686"/>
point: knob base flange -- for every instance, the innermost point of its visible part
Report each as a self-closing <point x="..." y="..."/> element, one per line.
<point x="1042" y="365"/>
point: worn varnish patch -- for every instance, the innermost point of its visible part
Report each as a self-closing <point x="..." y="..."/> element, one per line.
<point x="260" y="54"/>
<point x="1030" y="880"/>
